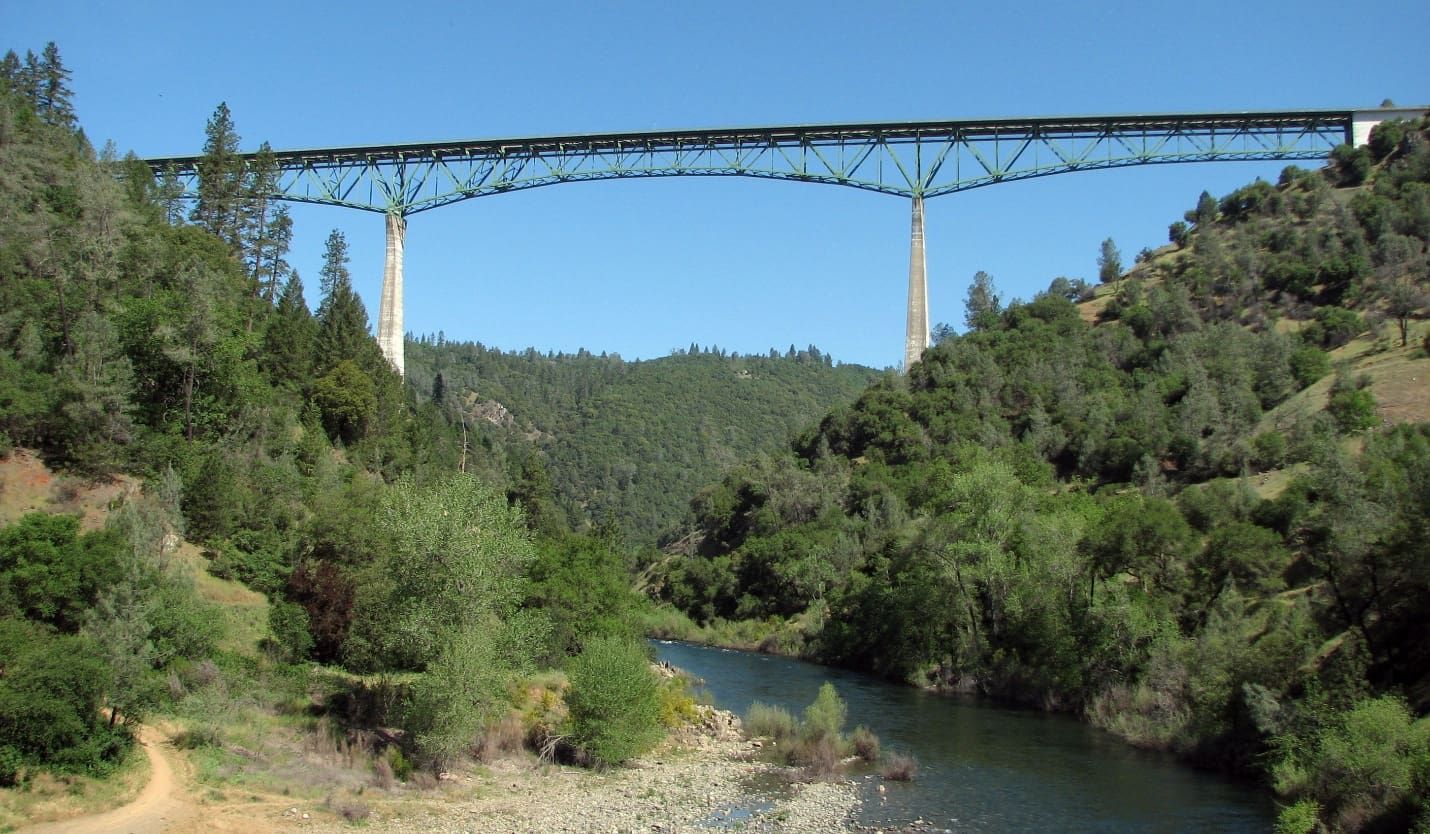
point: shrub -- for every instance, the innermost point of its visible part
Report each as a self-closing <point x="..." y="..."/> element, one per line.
<point x="825" y="717"/>
<point x="1300" y="818"/>
<point x="866" y="744"/>
<point x="677" y="707"/>
<point x="288" y="621"/>
<point x="400" y="765"/>
<point x="1353" y="409"/>
<point x="614" y="700"/>
<point x="350" y="809"/>
<point x="899" y="767"/>
<point x="10" y="764"/>
<point x="766" y="721"/>
<point x="1308" y="365"/>
<point x="501" y="737"/>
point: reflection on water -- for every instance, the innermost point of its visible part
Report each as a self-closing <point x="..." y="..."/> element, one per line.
<point x="985" y="768"/>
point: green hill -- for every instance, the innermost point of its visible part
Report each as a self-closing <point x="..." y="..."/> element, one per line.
<point x="626" y="443"/>
<point x="1192" y="509"/>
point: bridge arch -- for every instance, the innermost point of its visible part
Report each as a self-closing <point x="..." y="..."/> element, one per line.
<point x="915" y="160"/>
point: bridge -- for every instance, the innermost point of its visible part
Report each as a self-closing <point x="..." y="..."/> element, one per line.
<point x="915" y="160"/>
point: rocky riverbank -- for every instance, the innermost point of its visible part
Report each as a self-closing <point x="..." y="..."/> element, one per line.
<point x="705" y="778"/>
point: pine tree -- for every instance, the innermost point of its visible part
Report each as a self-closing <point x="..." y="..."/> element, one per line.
<point x="219" y="205"/>
<point x="10" y="71"/>
<point x="289" y="338"/>
<point x="265" y="230"/>
<point x="52" y="89"/>
<point x="983" y="305"/>
<point x="342" y="320"/>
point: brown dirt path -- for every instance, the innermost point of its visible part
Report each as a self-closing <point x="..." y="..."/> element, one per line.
<point x="158" y="808"/>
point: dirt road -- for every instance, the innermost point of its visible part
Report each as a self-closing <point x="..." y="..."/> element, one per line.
<point x="160" y="807"/>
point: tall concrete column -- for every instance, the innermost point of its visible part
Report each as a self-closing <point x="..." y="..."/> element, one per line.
<point x="918" y="333"/>
<point x="389" y="317"/>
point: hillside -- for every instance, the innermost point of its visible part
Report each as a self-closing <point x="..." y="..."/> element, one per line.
<point x="626" y="443"/>
<point x="1190" y="507"/>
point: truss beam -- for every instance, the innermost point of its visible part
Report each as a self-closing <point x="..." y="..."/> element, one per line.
<point x="908" y="159"/>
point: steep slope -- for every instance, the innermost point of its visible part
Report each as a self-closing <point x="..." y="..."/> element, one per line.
<point x="624" y="443"/>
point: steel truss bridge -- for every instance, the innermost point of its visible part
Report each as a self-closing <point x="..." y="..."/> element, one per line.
<point x="917" y="160"/>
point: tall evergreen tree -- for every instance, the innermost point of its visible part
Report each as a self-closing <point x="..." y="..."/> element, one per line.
<point x="342" y="320"/>
<point x="53" y="101"/>
<point x="983" y="305"/>
<point x="219" y="204"/>
<point x="289" y="338"/>
<point x="262" y="231"/>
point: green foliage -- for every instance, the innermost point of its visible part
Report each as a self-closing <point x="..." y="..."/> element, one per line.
<point x="463" y="689"/>
<point x="825" y="716"/>
<point x="767" y="721"/>
<point x="50" y="696"/>
<point x="614" y="700"/>
<point x="983" y="306"/>
<point x="1309" y="364"/>
<point x="50" y="573"/>
<point x="457" y="555"/>
<point x="1365" y="769"/>
<point x="288" y="623"/>
<point x="347" y="399"/>
<point x="1299" y="818"/>
<point x="1109" y="262"/>
<point x="583" y="586"/>
<point x="625" y="444"/>
<point x="1351" y="405"/>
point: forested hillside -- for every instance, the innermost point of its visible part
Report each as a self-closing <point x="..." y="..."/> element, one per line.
<point x="1193" y="509"/>
<point x="167" y="346"/>
<point x="625" y="444"/>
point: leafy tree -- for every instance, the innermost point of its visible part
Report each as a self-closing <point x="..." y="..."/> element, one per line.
<point x="347" y="399"/>
<point x="50" y="573"/>
<point x="1206" y="210"/>
<point x="50" y="697"/>
<point x="1109" y="262"/>
<point x="455" y="563"/>
<point x="982" y="308"/>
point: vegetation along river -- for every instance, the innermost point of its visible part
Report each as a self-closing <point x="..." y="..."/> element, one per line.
<point x="986" y="768"/>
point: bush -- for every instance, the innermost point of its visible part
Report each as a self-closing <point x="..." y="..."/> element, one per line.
<point x="866" y="744"/>
<point x="900" y="767"/>
<point x="1300" y="818"/>
<point x="1352" y="409"/>
<point x="614" y="700"/>
<point x="10" y="764"/>
<point x="766" y="721"/>
<point x="825" y="717"/>
<point x="1308" y="365"/>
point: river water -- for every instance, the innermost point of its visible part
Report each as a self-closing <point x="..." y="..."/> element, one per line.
<point x="984" y="768"/>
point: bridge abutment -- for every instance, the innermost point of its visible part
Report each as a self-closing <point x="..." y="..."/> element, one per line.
<point x="389" y="317"/>
<point x="917" y="340"/>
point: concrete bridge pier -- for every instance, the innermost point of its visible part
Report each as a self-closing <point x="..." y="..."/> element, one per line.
<point x="389" y="317"/>
<point x="917" y="340"/>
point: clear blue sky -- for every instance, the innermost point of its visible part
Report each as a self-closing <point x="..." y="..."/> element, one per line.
<point x="642" y="267"/>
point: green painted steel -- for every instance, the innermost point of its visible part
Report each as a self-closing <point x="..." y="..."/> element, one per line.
<point x="909" y="159"/>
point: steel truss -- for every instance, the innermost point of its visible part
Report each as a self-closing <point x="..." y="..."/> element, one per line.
<point x="910" y="159"/>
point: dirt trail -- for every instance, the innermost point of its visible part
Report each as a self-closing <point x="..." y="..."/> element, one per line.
<point x="157" y="808"/>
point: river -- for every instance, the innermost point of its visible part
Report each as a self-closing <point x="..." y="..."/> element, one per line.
<point x="984" y="768"/>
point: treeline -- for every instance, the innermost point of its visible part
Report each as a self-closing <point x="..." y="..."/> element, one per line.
<point x="622" y="445"/>
<point x="140" y="338"/>
<point x="1150" y="521"/>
